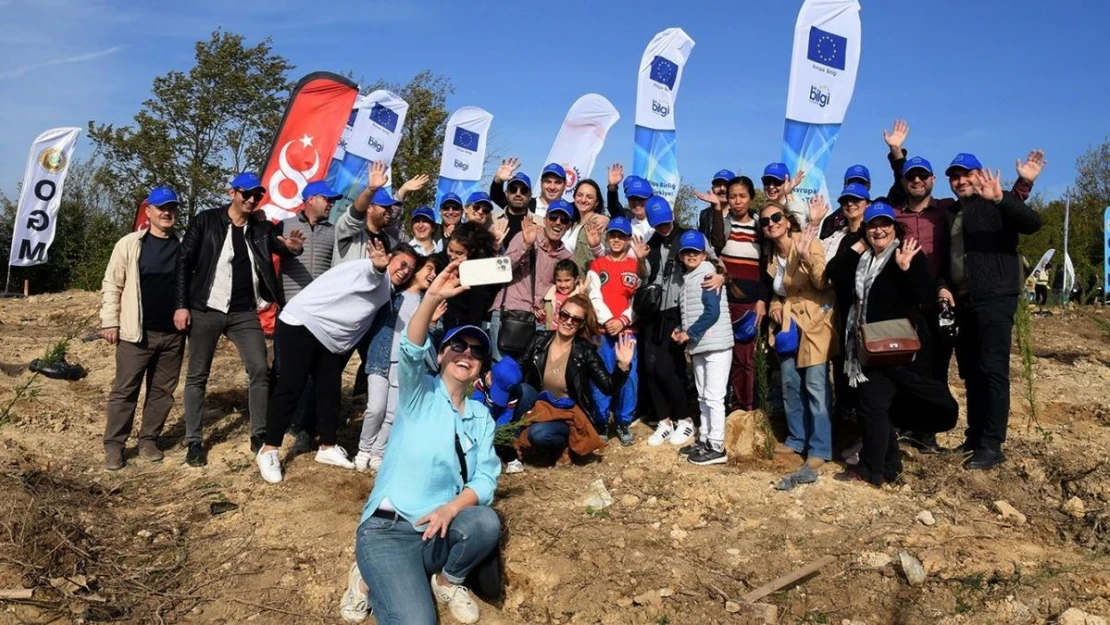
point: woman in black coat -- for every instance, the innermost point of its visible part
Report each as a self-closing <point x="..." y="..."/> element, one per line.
<point x="886" y="278"/>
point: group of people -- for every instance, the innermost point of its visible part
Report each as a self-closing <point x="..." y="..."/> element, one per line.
<point x="610" y="305"/>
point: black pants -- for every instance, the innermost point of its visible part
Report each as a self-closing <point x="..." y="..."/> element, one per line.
<point x="305" y="416"/>
<point x="983" y="357"/>
<point x="1041" y="294"/>
<point x="663" y="367"/>
<point x="305" y="356"/>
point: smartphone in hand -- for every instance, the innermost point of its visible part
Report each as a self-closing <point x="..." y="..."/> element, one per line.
<point x="496" y="270"/>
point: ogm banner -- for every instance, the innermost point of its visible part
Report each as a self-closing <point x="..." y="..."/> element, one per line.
<point x="655" y="156"/>
<point x="314" y="121"/>
<point x="41" y="195"/>
<point x="581" y="138"/>
<point x="822" y="79"/>
<point x="373" y="133"/>
<point x="464" y="153"/>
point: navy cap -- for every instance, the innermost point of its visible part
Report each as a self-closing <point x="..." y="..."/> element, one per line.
<point x="562" y="206"/>
<point x="856" y="190"/>
<point x="628" y="180"/>
<point x="658" y="211"/>
<point x="879" y="209"/>
<point x="425" y="212"/>
<point x="724" y="175"/>
<point x="963" y="161"/>
<point x="479" y="197"/>
<point x="857" y="172"/>
<point x="639" y="188"/>
<point x="522" y="178"/>
<point x="917" y="163"/>
<point x="505" y="377"/>
<point x="691" y="240"/>
<point x="247" y="181"/>
<point x="621" y="225"/>
<point x="472" y="331"/>
<point x="383" y="198"/>
<point x="554" y="168"/>
<point x="450" y="197"/>
<point x="160" y="196"/>
<point x="778" y="171"/>
<point x="320" y="188"/>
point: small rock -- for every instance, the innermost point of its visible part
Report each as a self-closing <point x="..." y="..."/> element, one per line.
<point x="650" y="597"/>
<point x="1076" y="508"/>
<point x="911" y="566"/>
<point x="143" y="534"/>
<point x="597" y="496"/>
<point x="666" y="592"/>
<point x="624" y="602"/>
<point x="1075" y="616"/>
<point x="874" y="559"/>
<point x="1009" y="513"/>
<point x="630" y="501"/>
<point x="926" y="518"/>
<point x="733" y="552"/>
<point x="656" y="525"/>
<point x="679" y="534"/>
<point x="732" y="607"/>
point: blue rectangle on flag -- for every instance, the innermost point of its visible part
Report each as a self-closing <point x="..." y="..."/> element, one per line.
<point x="384" y="117"/>
<point x="664" y="71"/>
<point x="466" y="139"/>
<point x="827" y="48"/>
<point x="351" y="119"/>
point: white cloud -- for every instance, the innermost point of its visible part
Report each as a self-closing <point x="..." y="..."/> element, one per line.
<point x="77" y="58"/>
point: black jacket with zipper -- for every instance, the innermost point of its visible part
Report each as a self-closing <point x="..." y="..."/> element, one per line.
<point x="200" y="251"/>
<point x="583" y="367"/>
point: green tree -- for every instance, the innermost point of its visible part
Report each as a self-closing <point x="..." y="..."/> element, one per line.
<point x="201" y="126"/>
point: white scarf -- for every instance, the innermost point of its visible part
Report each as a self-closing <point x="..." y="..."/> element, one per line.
<point x="866" y="271"/>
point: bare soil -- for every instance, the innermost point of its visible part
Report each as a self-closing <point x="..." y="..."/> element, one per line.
<point x="142" y="545"/>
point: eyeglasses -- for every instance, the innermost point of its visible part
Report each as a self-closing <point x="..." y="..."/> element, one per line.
<point x="566" y="317"/>
<point x="766" y="221"/>
<point x="560" y="218"/>
<point x="518" y="189"/>
<point x="254" y="194"/>
<point x="918" y="175"/>
<point x="461" y="346"/>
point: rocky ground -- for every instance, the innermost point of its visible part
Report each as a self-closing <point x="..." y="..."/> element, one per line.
<point x="165" y="543"/>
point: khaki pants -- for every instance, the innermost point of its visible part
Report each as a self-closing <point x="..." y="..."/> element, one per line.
<point x="157" y="359"/>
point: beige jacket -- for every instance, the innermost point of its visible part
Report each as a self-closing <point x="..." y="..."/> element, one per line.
<point x="809" y="303"/>
<point x="121" y="302"/>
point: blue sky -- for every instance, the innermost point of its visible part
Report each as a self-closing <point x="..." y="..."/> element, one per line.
<point x="983" y="77"/>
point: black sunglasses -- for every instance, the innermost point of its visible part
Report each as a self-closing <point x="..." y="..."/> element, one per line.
<point x="460" y="346"/>
<point x="766" y="221"/>
<point x="560" y="217"/>
<point x="772" y="182"/>
<point x="454" y="208"/>
<point x="566" y="317"/>
<point x="519" y="189"/>
<point x="255" y="194"/>
<point x="918" y="175"/>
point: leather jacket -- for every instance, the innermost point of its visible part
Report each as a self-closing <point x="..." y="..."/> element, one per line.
<point x="200" y="250"/>
<point x="583" y="368"/>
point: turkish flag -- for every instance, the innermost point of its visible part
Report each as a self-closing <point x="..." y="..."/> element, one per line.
<point x="141" y="220"/>
<point x="314" y="121"/>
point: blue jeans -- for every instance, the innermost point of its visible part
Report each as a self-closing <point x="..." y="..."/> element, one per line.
<point x="396" y="562"/>
<point x="625" y="405"/>
<point x="807" y="410"/>
<point x="549" y="435"/>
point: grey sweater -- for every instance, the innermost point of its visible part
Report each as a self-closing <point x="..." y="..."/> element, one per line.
<point x="319" y="244"/>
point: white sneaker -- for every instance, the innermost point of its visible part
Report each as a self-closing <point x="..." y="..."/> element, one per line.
<point x="335" y="456"/>
<point x="514" y="466"/>
<point x="458" y="600"/>
<point x="269" y="465"/>
<point x="662" y="432"/>
<point x="683" y="433"/>
<point x="362" y="460"/>
<point x="375" y="463"/>
<point x="353" y="607"/>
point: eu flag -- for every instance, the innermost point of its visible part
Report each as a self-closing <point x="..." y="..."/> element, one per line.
<point x="466" y="139"/>
<point x="384" y="117"/>
<point x="351" y="118"/>
<point x="827" y="48"/>
<point x="664" y="71"/>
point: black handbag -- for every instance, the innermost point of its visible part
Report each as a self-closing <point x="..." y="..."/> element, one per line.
<point x="518" y="327"/>
<point x="647" y="301"/>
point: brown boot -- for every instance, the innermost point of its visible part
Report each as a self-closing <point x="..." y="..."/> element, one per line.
<point x="113" y="458"/>
<point x="148" y="449"/>
<point x="564" y="458"/>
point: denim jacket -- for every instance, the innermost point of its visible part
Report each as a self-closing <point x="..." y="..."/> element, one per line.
<point x="379" y="354"/>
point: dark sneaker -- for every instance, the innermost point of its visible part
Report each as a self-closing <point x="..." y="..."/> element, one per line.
<point x="707" y="455"/>
<point x="688" y="450"/>
<point x="148" y="450"/>
<point x="624" y="433"/>
<point x="984" y="459"/>
<point x="195" y="456"/>
<point x="256" y="444"/>
<point x="113" y="458"/>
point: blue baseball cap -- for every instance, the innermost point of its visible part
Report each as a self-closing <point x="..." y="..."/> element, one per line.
<point x="658" y="211"/>
<point x="247" y="181"/>
<point x="450" y="197"/>
<point x="917" y="162"/>
<point x="639" y="188"/>
<point x="320" y="188"/>
<point x="383" y="198"/>
<point x="963" y="161"/>
<point x="724" y="175"/>
<point x="564" y="207"/>
<point x="778" y="171"/>
<point x="472" y="331"/>
<point x="621" y="225"/>
<point x="856" y="190"/>
<point x="522" y="178"/>
<point x="630" y="179"/>
<point x="691" y="240"/>
<point x="479" y="197"/>
<point x="505" y="375"/>
<point x="160" y="196"/>
<point x="425" y="212"/>
<point x="857" y="172"/>
<point x="879" y="209"/>
<point x="554" y="168"/>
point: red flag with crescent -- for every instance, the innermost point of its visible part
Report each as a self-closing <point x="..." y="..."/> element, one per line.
<point x="141" y="219"/>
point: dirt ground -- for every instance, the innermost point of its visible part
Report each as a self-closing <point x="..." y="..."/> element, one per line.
<point x="679" y="545"/>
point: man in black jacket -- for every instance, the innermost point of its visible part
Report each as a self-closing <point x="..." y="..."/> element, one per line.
<point x="982" y="279"/>
<point x="225" y="273"/>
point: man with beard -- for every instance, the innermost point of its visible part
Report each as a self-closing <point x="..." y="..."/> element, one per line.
<point x="553" y="183"/>
<point x="512" y="189"/>
<point x="719" y="186"/>
<point x="366" y="221"/>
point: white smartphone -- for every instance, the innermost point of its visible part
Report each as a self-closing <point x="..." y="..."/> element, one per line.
<point x="497" y="270"/>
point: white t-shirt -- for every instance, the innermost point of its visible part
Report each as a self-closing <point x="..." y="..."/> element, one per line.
<point x="780" y="288"/>
<point x="339" y="306"/>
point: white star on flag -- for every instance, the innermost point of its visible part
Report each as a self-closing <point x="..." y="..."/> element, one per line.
<point x="306" y="141"/>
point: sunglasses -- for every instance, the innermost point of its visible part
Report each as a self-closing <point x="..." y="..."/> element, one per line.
<point x="450" y="208"/>
<point x="560" y="218"/>
<point x="918" y="175"/>
<point x="772" y="182"/>
<point x="519" y="189"/>
<point x="483" y="208"/>
<point x="774" y="218"/>
<point x="566" y="317"/>
<point x="460" y="346"/>
<point x="251" y="195"/>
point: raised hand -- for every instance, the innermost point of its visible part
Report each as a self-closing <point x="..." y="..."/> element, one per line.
<point x="1033" y="165"/>
<point x="896" y="138"/>
<point x="989" y="185"/>
<point x="378" y="256"/>
<point x="616" y="174"/>
<point x="377" y="175"/>
<point x="708" y="197"/>
<point x="499" y="230"/>
<point x="595" y="229"/>
<point x="529" y="229"/>
<point x="904" y="255"/>
<point x="792" y="182"/>
<point x="625" y="349"/>
<point x="640" y="247"/>
<point x="294" y="242"/>
<point x="818" y="208"/>
<point x="805" y="241"/>
<point x="506" y="170"/>
<point x="446" y="285"/>
<point x="439" y="312"/>
<point x="415" y="184"/>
